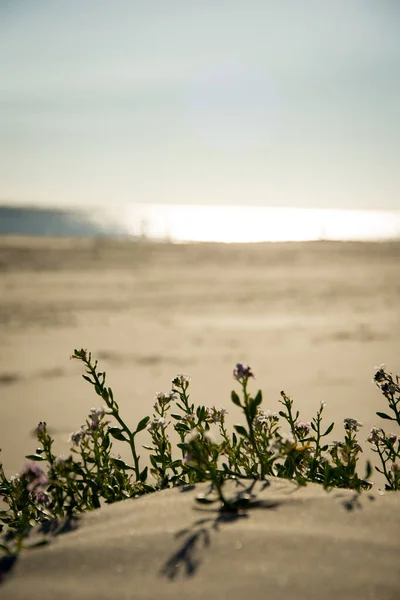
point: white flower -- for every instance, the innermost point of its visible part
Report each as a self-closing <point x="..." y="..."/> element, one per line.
<point x="216" y="416"/>
<point x="156" y="423"/>
<point x="375" y="435"/>
<point x="96" y="414"/>
<point x="352" y="424"/>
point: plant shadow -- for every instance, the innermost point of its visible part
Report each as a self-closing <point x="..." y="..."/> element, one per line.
<point x="196" y="540"/>
<point x="38" y="536"/>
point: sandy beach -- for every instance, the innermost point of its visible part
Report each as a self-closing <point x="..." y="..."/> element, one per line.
<point x="310" y="318"/>
<point x="298" y="543"/>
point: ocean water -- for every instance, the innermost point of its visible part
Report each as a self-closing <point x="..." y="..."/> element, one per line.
<point x="204" y="223"/>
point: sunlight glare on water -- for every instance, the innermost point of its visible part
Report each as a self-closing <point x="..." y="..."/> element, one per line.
<point x="202" y="223"/>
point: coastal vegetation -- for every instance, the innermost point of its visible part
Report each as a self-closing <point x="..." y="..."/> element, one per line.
<point x="186" y="444"/>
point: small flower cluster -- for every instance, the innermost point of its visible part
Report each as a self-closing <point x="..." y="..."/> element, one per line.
<point x="242" y="372"/>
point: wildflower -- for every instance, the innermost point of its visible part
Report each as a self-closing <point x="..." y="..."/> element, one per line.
<point x="75" y="438"/>
<point x="156" y="423"/>
<point x="322" y="405"/>
<point x="352" y="424"/>
<point x="389" y="388"/>
<point x="264" y="416"/>
<point x="161" y="399"/>
<point x="78" y="436"/>
<point x="242" y="372"/>
<point x="80" y="354"/>
<point x="376" y="436"/>
<point x="302" y="428"/>
<point x="393" y="438"/>
<point x="216" y="416"/>
<point x="380" y="374"/>
<point x="181" y="381"/>
<point x="35" y="476"/>
<point x="40" y="498"/>
<point x="41" y="428"/>
<point x="188" y="458"/>
<point x="96" y="414"/>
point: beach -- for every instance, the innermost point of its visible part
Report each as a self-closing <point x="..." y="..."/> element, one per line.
<point x="310" y="318"/>
<point x="295" y="542"/>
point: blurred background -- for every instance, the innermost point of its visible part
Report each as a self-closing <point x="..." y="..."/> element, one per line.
<point x="131" y="132"/>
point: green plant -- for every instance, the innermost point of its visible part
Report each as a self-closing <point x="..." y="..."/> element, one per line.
<point x="266" y="444"/>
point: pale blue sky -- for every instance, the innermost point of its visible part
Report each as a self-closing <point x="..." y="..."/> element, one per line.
<point x="282" y="103"/>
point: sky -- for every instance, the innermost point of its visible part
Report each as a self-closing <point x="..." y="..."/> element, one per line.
<point x="252" y="102"/>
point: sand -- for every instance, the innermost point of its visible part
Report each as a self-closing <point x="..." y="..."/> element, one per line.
<point x="310" y="318"/>
<point x="298" y="543"/>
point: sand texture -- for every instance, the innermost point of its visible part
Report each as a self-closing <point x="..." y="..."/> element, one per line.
<point x="296" y="543"/>
<point x="310" y="318"/>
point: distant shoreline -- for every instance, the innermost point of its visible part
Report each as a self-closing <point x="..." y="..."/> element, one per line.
<point x="202" y="223"/>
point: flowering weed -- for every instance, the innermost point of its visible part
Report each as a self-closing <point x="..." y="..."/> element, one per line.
<point x="266" y="444"/>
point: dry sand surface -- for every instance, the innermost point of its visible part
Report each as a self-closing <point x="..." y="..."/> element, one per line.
<point x="310" y="318"/>
<point x="302" y="543"/>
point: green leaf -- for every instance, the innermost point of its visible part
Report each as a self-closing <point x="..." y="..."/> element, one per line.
<point x="181" y="427"/>
<point x="142" y="424"/>
<point x="106" y="442"/>
<point x="282" y="414"/>
<point x="385" y="416"/>
<point x="118" y="462"/>
<point x="325" y="448"/>
<point x="117" y="433"/>
<point x="176" y="417"/>
<point x="143" y="475"/>
<point x="240" y="430"/>
<point x="88" y="379"/>
<point x="258" y="398"/>
<point x="35" y="457"/>
<point x="153" y="461"/>
<point x="235" y="398"/>
<point x="252" y="409"/>
<point x="331" y="426"/>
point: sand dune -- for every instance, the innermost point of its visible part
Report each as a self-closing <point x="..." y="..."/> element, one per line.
<point x="300" y="543"/>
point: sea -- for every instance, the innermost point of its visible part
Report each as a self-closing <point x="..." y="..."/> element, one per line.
<point x="203" y="223"/>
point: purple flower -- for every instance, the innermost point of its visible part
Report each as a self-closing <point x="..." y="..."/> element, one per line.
<point x="35" y="476"/>
<point x="41" y="428"/>
<point x="242" y="372"/>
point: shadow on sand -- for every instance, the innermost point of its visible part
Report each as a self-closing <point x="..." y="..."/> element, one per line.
<point x="38" y="536"/>
<point x="195" y="540"/>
